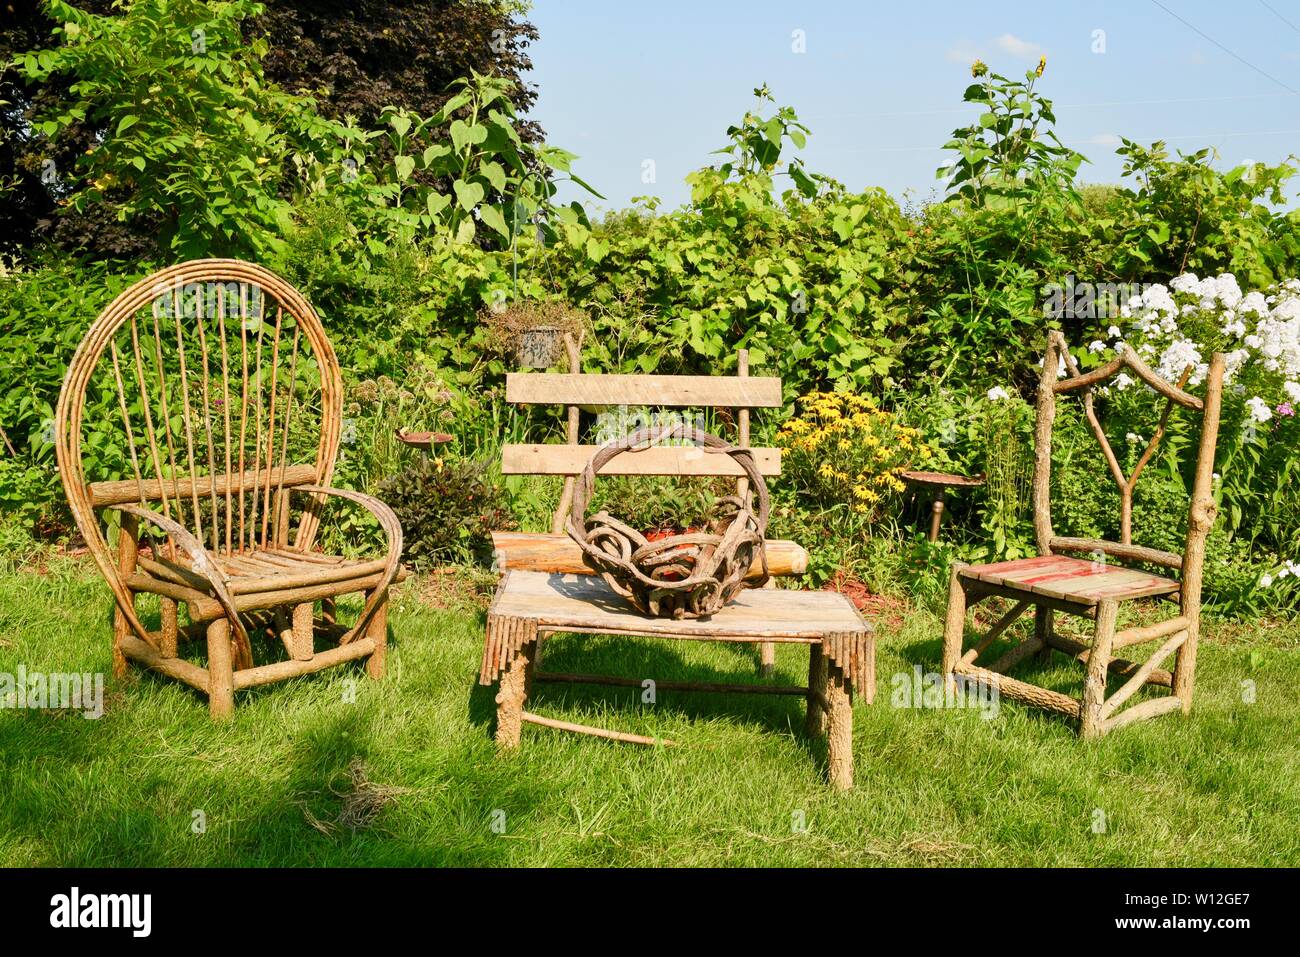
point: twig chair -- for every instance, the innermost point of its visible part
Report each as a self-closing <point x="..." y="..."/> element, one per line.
<point x="212" y="386"/>
<point x="1091" y="588"/>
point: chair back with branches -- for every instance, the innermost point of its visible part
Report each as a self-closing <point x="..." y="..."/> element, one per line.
<point x="1202" y="509"/>
<point x="202" y="393"/>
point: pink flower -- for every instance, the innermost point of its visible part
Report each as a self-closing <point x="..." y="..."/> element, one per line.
<point x="1285" y="409"/>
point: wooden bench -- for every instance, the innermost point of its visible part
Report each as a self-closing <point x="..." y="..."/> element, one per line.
<point x="547" y="588"/>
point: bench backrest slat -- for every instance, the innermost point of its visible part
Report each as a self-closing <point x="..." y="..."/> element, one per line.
<point x="656" y="460"/>
<point x="652" y="390"/>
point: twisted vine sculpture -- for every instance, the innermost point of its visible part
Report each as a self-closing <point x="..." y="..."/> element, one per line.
<point x="681" y="576"/>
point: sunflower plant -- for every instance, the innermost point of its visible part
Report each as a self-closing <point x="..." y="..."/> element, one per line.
<point x="842" y="449"/>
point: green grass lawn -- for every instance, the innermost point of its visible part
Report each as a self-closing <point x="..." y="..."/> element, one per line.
<point x="407" y="772"/>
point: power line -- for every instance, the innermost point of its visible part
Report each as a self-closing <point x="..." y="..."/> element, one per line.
<point x="1279" y="16"/>
<point x="1223" y="48"/>
<point x="1069" y="142"/>
<point x="1058" y="106"/>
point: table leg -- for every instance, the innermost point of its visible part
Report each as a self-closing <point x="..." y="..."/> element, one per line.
<point x="936" y="514"/>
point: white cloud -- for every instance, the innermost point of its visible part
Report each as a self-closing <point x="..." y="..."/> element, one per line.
<point x="963" y="51"/>
<point x="1104" y="139"/>
<point x="1016" y="47"/>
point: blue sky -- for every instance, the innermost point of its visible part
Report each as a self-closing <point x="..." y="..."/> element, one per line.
<point x="880" y="84"/>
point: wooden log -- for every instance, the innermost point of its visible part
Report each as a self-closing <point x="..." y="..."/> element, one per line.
<point x="954" y="627"/>
<point x="280" y="670"/>
<point x="530" y="718"/>
<point x="514" y="664"/>
<point x="663" y="685"/>
<point x="1045" y="417"/>
<point x="1094" y="687"/>
<point x="1137" y="635"/>
<point x="1024" y="691"/>
<point x="306" y="579"/>
<point x="559" y="554"/>
<point x="1138" y="553"/>
<point x="1043" y="626"/>
<point x="128" y="554"/>
<point x="839" y="732"/>
<point x="818" y="706"/>
<point x="377" y="632"/>
<point x="178" y="668"/>
<point x="1143" y="372"/>
<point x="1139" y="677"/>
<point x="103" y="494"/>
<point x="302" y="637"/>
<point x="221" y="686"/>
<point x="1001" y="625"/>
<point x="1120" y="666"/>
<point x="1019" y="653"/>
<point x="1200" y="520"/>
<point x="203" y="608"/>
<point x="1139" y="712"/>
<point x="170" y="632"/>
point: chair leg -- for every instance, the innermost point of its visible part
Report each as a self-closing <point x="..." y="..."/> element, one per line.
<point x="128" y="543"/>
<point x="516" y="683"/>
<point x="1043" y="631"/>
<point x="377" y="631"/>
<point x="839" y="698"/>
<point x="221" y="675"/>
<point x="1094" y="686"/>
<point x="815" y="726"/>
<point x="954" y="625"/>
<point x="767" y="659"/>
<point x="170" y="629"/>
<point x="302" y="640"/>
<point x="1184" y="682"/>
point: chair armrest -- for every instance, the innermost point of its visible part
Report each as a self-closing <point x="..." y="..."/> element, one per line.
<point x="202" y="564"/>
<point x="387" y="519"/>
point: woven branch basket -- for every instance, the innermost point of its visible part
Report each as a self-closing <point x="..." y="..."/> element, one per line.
<point x="682" y="576"/>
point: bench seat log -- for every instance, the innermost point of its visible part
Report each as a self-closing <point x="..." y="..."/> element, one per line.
<point x="559" y="553"/>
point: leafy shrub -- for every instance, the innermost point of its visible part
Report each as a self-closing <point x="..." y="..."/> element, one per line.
<point x="447" y="508"/>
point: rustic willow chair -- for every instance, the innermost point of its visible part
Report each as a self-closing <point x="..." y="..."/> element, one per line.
<point x="1093" y="589"/>
<point x="211" y="385"/>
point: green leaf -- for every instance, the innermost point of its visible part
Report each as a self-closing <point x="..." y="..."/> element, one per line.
<point x="126" y="123"/>
<point x="494" y="174"/>
<point x="493" y="218"/>
<point x="468" y="195"/>
<point x="436" y="202"/>
<point x="405" y="166"/>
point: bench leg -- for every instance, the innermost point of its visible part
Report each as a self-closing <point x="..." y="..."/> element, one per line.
<point x="767" y="659"/>
<point x="516" y="682"/>
<point x="839" y="699"/>
<point x="221" y="675"/>
<point x="816" y="724"/>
